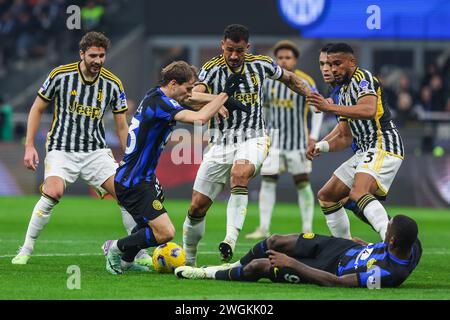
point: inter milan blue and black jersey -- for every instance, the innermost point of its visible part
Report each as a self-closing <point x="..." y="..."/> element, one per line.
<point x="374" y="264"/>
<point x="149" y="131"/>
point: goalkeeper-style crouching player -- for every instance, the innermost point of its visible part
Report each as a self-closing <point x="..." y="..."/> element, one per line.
<point x="137" y="187"/>
<point x="325" y="261"/>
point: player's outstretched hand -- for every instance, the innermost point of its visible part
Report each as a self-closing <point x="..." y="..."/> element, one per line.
<point x="312" y="152"/>
<point x="233" y="104"/>
<point x="31" y="158"/>
<point x="278" y="259"/>
<point x="222" y="114"/>
<point x="317" y="101"/>
<point x="232" y="84"/>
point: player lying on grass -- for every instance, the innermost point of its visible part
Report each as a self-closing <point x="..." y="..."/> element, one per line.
<point x="325" y="261"/>
<point x="137" y="187"/>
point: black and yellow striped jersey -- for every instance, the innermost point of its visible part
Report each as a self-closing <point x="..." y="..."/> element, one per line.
<point x="288" y="113"/>
<point x="79" y="107"/>
<point x="240" y="126"/>
<point x="381" y="132"/>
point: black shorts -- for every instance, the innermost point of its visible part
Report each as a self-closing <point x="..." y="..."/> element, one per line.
<point x="144" y="201"/>
<point x="316" y="251"/>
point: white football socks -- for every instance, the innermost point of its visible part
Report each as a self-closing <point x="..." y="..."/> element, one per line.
<point x="236" y="212"/>
<point x="193" y="231"/>
<point x="127" y="220"/>
<point x="337" y="221"/>
<point x="267" y="198"/>
<point x="39" y="219"/>
<point x="375" y="213"/>
<point x="306" y="205"/>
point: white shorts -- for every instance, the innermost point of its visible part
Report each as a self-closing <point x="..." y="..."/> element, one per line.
<point x="214" y="172"/>
<point x="292" y="161"/>
<point x="94" y="167"/>
<point x="382" y="166"/>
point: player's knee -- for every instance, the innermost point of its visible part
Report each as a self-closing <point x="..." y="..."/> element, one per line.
<point x="301" y="179"/>
<point x="240" y="175"/>
<point x="257" y="266"/>
<point x="197" y="210"/>
<point x="356" y="194"/>
<point x="239" y="180"/>
<point x="324" y="195"/>
<point x="274" y="242"/>
<point x="165" y="234"/>
<point x="53" y="193"/>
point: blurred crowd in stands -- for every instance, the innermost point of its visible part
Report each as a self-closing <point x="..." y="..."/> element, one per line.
<point x="29" y="28"/>
<point x="409" y="97"/>
<point x="33" y="30"/>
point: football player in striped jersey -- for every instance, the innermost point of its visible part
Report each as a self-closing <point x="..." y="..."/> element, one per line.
<point x="365" y="116"/>
<point x="76" y="147"/>
<point x="239" y="143"/>
<point x="288" y="115"/>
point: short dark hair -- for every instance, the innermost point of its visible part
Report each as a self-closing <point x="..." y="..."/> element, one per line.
<point x="236" y="33"/>
<point x="94" y="39"/>
<point x="326" y="47"/>
<point x="340" y="48"/>
<point x="286" y="44"/>
<point x="404" y="230"/>
<point x="180" y="71"/>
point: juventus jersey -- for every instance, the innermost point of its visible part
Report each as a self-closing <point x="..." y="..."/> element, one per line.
<point x="240" y="126"/>
<point x="380" y="132"/>
<point x="288" y="111"/>
<point x="79" y="107"/>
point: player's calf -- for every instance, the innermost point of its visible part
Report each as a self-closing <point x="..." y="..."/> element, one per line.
<point x="241" y="173"/>
<point x="194" y="226"/>
<point x="253" y="271"/>
<point x="39" y="219"/>
<point x="305" y="201"/>
<point x="375" y="213"/>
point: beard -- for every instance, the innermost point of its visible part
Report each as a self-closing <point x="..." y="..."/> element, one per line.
<point x="93" y="68"/>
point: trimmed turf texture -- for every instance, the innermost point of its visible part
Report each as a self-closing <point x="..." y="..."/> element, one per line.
<point x="80" y="225"/>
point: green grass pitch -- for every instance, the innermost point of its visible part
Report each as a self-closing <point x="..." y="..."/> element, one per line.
<point x="80" y="225"/>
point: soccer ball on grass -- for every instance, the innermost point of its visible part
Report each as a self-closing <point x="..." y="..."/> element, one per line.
<point x="167" y="257"/>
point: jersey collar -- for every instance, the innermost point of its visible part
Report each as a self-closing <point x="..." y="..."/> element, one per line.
<point x="231" y="70"/>
<point x="345" y="85"/>
<point x="87" y="81"/>
<point x="395" y="259"/>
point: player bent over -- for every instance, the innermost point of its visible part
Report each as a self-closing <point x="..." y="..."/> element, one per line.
<point x="325" y="261"/>
<point x="334" y="88"/>
<point x="76" y="145"/>
<point x="136" y="185"/>
<point x="364" y="116"/>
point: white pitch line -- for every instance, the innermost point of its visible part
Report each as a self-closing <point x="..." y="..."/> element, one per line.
<point x="85" y="254"/>
<point x="201" y="244"/>
<point x="202" y="252"/>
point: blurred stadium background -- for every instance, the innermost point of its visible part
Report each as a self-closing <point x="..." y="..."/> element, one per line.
<point x="410" y="54"/>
